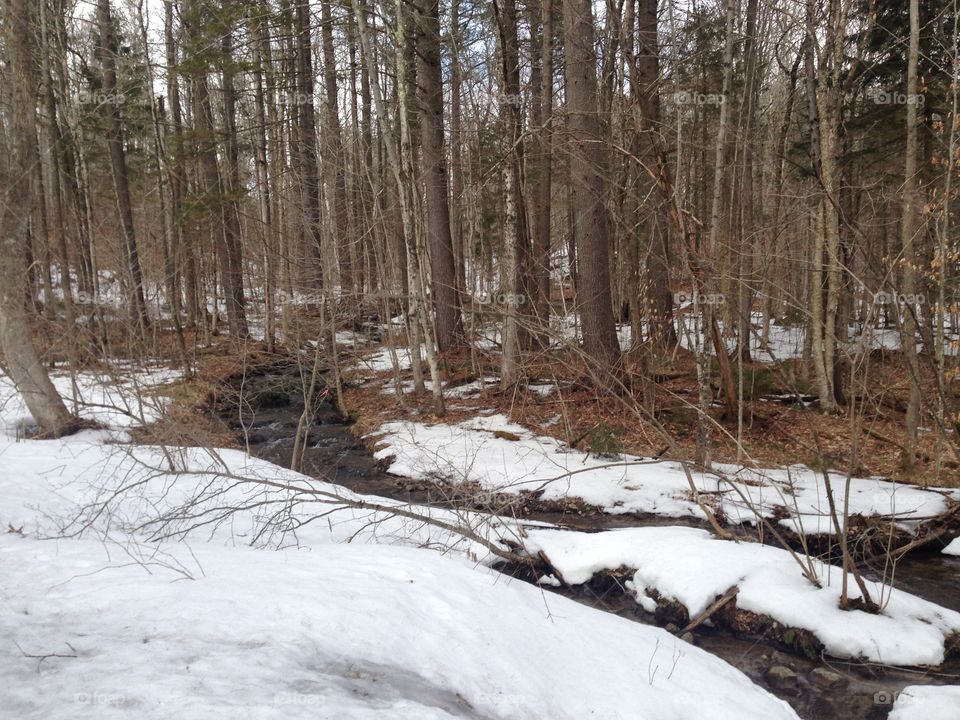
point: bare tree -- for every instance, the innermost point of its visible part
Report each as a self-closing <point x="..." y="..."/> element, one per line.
<point x="112" y="101"/>
<point x="446" y="299"/>
<point x="590" y="223"/>
<point x="21" y="360"/>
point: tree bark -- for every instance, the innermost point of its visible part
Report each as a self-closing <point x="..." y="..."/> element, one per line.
<point x="590" y="222"/>
<point x="659" y="299"/>
<point x="911" y="203"/>
<point x="21" y="360"/>
<point x="118" y="163"/>
<point x="433" y="157"/>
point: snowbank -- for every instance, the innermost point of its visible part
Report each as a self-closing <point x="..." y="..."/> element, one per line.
<point x="505" y="457"/>
<point x="341" y="631"/>
<point x="693" y="567"/>
<point x="53" y="487"/>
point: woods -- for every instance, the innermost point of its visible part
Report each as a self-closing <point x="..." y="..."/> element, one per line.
<point x="676" y="181"/>
<point x="617" y="341"/>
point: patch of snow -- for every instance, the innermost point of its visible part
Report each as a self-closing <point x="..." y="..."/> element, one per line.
<point x="505" y="457"/>
<point x="542" y="389"/>
<point x="693" y="567"/>
<point x="927" y="702"/>
<point x="118" y="399"/>
<point x="54" y="487"/>
<point x="953" y="548"/>
<point x="459" y="391"/>
<point x="381" y="360"/>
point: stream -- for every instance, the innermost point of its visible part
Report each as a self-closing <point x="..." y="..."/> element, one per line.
<point x="827" y="689"/>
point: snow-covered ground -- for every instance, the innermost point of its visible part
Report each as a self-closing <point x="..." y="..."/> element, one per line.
<point x="355" y="616"/>
<point x="117" y="399"/>
<point x="953" y="548"/>
<point x="926" y="702"/>
<point x="339" y="631"/>
<point x="382" y="360"/>
<point x="502" y="456"/>
<point x="461" y="391"/>
<point x="693" y="567"/>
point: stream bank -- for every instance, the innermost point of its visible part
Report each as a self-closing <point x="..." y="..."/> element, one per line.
<point x="265" y="410"/>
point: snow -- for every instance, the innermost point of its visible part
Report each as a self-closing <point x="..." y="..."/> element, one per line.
<point x="267" y="594"/>
<point x="482" y="450"/>
<point x="55" y="487"/>
<point x="119" y="398"/>
<point x="146" y="581"/>
<point x="381" y="360"/>
<point x="542" y="389"/>
<point x="340" y="631"/>
<point x="350" y="338"/>
<point x="694" y="567"/>
<point x="953" y="548"/>
<point x="927" y="702"/>
<point x="449" y="391"/>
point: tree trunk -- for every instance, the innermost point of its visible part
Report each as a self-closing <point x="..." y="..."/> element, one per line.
<point x="911" y="204"/>
<point x="659" y="299"/>
<point x="118" y="163"/>
<point x="586" y="183"/>
<point x="335" y="161"/>
<point x="442" y="266"/>
<point x="233" y="267"/>
<point x="307" y="144"/>
<point x="541" y="100"/>
<point x="21" y="360"/>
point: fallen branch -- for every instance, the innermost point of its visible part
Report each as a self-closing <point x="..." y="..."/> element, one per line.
<point x="714" y="606"/>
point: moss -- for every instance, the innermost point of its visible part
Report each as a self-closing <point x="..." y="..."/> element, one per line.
<point x="604" y="442"/>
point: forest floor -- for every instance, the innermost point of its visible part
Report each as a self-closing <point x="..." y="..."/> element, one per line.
<point x="780" y="423"/>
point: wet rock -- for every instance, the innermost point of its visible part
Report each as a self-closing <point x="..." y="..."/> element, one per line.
<point x="828" y="679"/>
<point x="782" y="677"/>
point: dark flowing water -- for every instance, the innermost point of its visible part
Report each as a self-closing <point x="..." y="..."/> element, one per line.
<point x="273" y="404"/>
